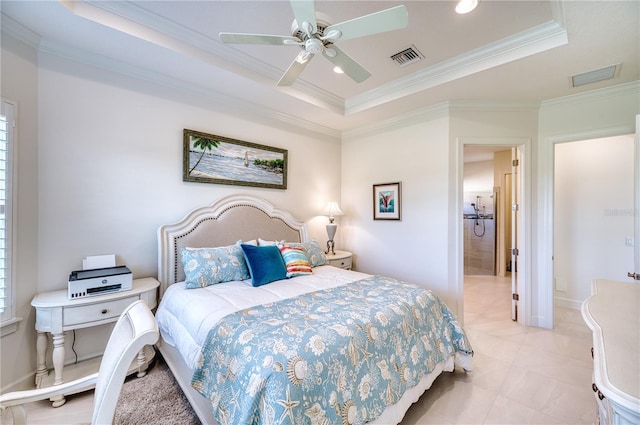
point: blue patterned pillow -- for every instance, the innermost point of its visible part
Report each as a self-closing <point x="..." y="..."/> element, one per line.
<point x="265" y="264"/>
<point x="208" y="266"/>
<point x="314" y="253"/>
<point x="295" y="260"/>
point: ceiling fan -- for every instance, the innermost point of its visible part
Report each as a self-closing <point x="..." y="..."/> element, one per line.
<point x="314" y="33"/>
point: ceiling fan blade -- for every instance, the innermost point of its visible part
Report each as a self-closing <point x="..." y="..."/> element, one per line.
<point x="304" y="11"/>
<point x="295" y="69"/>
<point x="350" y="67"/>
<point x="374" y="23"/>
<point x="234" y="38"/>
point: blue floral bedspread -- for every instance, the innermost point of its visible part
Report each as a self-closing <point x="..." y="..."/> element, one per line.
<point x="336" y="356"/>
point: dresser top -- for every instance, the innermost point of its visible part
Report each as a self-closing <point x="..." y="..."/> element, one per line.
<point x="613" y="314"/>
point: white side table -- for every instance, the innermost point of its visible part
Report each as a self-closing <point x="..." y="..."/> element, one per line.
<point x="341" y="259"/>
<point x="56" y="313"/>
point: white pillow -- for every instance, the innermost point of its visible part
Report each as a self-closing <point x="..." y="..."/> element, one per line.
<point x="262" y="242"/>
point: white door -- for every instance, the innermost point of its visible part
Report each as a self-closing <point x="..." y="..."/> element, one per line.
<point x="515" y="234"/>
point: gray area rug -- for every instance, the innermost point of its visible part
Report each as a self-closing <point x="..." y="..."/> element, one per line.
<point x="154" y="399"/>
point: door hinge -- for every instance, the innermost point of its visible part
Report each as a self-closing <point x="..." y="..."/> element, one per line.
<point x="515" y="207"/>
<point x="514" y="251"/>
<point x="516" y="297"/>
<point x="515" y="162"/>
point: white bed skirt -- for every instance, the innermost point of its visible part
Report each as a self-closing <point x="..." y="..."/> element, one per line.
<point x="392" y="414"/>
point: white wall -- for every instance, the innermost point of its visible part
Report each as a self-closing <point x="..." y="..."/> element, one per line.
<point x="109" y="173"/>
<point x="478" y="176"/>
<point x="410" y="249"/>
<point x="111" y="168"/>
<point x="593" y="214"/>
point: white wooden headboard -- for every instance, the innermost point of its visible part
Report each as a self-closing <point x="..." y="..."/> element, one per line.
<point x="233" y="218"/>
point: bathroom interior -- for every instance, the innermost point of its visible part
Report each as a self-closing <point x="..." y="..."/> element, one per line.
<point x="486" y="210"/>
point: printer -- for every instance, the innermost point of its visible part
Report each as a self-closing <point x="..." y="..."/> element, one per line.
<point x="86" y="283"/>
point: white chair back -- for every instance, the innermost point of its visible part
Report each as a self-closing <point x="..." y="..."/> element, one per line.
<point x="135" y="328"/>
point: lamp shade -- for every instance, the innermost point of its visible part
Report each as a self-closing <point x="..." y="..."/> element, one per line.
<point x="332" y="210"/>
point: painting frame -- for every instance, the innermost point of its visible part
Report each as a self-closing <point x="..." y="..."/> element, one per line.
<point x="387" y="201"/>
<point x="232" y="164"/>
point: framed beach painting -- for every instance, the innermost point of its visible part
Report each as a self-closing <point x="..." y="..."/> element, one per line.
<point x="386" y="201"/>
<point x="208" y="158"/>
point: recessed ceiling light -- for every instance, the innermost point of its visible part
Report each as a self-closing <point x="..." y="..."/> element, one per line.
<point x="466" y="6"/>
<point x="601" y="74"/>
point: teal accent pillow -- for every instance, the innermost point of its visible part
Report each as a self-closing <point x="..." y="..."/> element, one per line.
<point x="315" y="254"/>
<point x="208" y="266"/>
<point x="265" y="264"/>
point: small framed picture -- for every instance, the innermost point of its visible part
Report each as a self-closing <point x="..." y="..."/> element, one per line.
<point x="386" y="201"/>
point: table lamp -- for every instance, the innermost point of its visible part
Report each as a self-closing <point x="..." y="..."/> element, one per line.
<point x="331" y="210"/>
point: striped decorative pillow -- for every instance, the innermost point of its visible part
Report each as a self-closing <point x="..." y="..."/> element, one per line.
<point x="295" y="260"/>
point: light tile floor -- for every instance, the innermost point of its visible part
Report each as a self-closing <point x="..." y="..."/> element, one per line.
<point x="521" y="375"/>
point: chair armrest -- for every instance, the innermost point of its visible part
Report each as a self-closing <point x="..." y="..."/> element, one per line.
<point x="17" y="398"/>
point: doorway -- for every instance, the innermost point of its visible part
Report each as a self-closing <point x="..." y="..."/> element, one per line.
<point x="521" y="148"/>
<point x="480" y="199"/>
<point x="593" y="215"/>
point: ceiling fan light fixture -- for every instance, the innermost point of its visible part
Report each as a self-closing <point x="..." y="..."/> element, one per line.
<point x="315" y="34"/>
<point x="466" y="6"/>
<point x="332" y="35"/>
<point x="313" y="45"/>
<point x="303" y="57"/>
<point x="307" y="28"/>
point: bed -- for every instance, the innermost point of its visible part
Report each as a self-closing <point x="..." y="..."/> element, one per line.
<point x="317" y="345"/>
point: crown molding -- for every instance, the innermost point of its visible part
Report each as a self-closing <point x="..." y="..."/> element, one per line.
<point x="417" y="116"/>
<point x="18" y="31"/>
<point x="496" y="106"/>
<point x="438" y="111"/>
<point x="140" y="23"/>
<point x="169" y="82"/>
<point x="625" y="89"/>
<point x="526" y="43"/>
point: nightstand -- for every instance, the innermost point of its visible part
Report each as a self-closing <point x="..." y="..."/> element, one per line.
<point x="341" y="259"/>
<point x="56" y="313"/>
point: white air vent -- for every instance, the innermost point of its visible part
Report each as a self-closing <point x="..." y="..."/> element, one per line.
<point x="601" y="74"/>
<point x="407" y="56"/>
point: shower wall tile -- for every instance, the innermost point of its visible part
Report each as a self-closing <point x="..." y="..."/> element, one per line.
<point x="479" y="252"/>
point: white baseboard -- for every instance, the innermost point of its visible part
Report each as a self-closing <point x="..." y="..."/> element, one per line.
<point x="567" y="303"/>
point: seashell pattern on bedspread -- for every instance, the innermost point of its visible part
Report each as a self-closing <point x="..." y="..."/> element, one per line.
<point x="335" y="356"/>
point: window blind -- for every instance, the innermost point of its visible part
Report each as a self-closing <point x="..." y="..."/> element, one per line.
<point x="6" y="114"/>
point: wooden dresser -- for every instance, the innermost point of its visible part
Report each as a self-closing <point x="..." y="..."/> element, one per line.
<point x="612" y="312"/>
